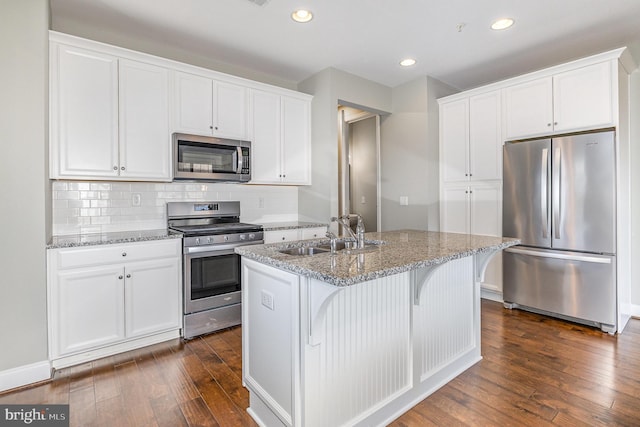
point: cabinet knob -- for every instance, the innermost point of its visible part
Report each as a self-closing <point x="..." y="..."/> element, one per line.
<point x="122" y="168"/>
<point x="555" y="123"/>
<point x="210" y="127"/>
<point x="466" y="174"/>
<point x="283" y="238"/>
<point x="549" y="124"/>
<point x="120" y="277"/>
<point x="115" y="168"/>
<point x="124" y="254"/>
<point x="128" y="276"/>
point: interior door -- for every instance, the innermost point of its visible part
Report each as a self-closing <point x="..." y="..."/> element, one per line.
<point x="584" y="193"/>
<point x="526" y="195"/>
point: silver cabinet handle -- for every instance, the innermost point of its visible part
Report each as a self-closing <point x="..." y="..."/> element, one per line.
<point x="124" y="254"/>
<point x="115" y="168"/>
<point x="128" y="276"/>
<point x="122" y="168"/>
<point x="120" y="277"/>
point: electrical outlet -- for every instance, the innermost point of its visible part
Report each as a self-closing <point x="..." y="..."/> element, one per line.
<point x="135" y="199"/>
<point x="404" y="200"/>
<point x="267" y="299"/>
<point x="260" y="202"/>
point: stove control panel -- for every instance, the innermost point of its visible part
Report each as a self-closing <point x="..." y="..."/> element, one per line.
<point x="223" y="239"/>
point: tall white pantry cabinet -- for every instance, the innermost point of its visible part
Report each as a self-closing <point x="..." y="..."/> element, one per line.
<point x="582" y="95"/>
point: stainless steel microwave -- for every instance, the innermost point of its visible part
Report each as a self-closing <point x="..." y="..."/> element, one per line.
<point x="204" y="158"/>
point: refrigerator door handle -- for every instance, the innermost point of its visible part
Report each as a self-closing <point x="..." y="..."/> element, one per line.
<point x="584" y="258"/>
<point x="556" y="191"/>
<point x="544" y="196"/>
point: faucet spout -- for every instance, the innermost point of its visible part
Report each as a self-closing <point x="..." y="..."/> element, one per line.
<point x="345" y="221"/>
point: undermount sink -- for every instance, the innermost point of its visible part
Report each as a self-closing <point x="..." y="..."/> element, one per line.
<point x="324" y="248"/>
<point x="342" y="244"/>
<point x="305" y="250"/>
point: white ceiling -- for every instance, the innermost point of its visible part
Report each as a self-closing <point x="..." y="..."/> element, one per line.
<point x="369" y="37"/>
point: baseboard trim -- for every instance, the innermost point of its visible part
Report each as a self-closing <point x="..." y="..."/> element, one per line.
<point x="25" y="375"/>
<point x="491" y="294"/>
<point x="635" y="311"/>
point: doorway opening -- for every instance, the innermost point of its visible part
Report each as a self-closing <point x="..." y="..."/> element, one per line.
<point x="359" y="189"/>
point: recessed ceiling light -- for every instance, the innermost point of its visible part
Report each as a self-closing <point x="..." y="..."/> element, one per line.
<point x="502" y="24"/>
<point x="408" y="62"/>
<point x="302" y="15"/>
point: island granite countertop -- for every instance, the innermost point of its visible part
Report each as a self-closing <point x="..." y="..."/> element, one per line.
<point x="401" y="251"/>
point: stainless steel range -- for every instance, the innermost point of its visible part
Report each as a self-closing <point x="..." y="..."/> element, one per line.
<point x="211" y="283"/>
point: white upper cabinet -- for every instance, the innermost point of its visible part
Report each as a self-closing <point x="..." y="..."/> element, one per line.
<point x="109" y="117"/>
<point x="485" y="137"/>
<point x="280" y="139"/>
<point x="84" y="113"/>
<point x="454" y="140"/>
<point x="470" y="138"/>
<point x="209" y="107"/>
<point x="573" y="100"/>
<point x="584" y="98"/>
<point x="528" y="108"/>
<point x="144" y="121"/>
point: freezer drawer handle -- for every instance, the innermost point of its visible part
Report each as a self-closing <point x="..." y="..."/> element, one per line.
<point x="584" y="258"/>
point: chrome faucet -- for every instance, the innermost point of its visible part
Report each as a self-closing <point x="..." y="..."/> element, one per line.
<point x="358" y="236"/>
<point x="333" y="240"/>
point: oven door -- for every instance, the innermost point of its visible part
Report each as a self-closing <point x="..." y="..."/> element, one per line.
<point x="211" y="280"/>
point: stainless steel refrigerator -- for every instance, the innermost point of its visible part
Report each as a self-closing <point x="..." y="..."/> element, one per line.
<point x="560" y="200"/>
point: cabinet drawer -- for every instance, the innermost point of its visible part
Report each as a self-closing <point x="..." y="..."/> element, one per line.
<point x="280" y="236"/>
<point x="313" y="233"/>
<point x="109" y="254"/>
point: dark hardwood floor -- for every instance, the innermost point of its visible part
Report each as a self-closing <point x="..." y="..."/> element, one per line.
<point x="536" y="371"/>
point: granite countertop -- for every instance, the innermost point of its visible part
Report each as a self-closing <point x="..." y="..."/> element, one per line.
<point x="91" y="239"/>
<point x="402" y="250"/>
<point x="290" y="225"/>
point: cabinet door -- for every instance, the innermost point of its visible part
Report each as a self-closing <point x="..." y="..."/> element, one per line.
<point x="528" y="109"/>
<point x="87" y="309"/>
<point x="454" y="210"/>
<point x="296" y="143"/>
<point x="265" y="138"/>
<point x="454" y="141"/>
<point x="229" y="111"/>
<point x="145" y="142"/>
<point x="584" y="98"/>
<point x="485" y="201"/>
<point x="153" y="292"/>
<point x="193" y="104"/>
<point x="84" y="113"/>
<point x="485" y="137"/>
<point x="486" y="219"/>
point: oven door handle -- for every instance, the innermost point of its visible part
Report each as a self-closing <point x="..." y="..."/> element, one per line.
<point x="218" y="248"/>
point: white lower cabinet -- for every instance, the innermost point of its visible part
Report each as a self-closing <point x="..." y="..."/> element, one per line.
<point x="111" y="298"/>
<point x="291" y="235"/>
<point x="475" y="209"/>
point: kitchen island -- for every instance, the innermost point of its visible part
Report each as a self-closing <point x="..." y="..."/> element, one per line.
<point x="360" y="336"/>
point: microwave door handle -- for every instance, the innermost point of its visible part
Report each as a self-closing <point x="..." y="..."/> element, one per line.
<point x="240" y="160"/>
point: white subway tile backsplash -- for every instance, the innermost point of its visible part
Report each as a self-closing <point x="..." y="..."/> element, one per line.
<point x="94" y="207"/>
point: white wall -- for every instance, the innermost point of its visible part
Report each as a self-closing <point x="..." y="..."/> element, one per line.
<point x="23" y="183"/>
<point x="319" y="201"/>
<point x="410" y="156"/>
<point x="635" y="191"/>
<point x="96" y="207"/>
